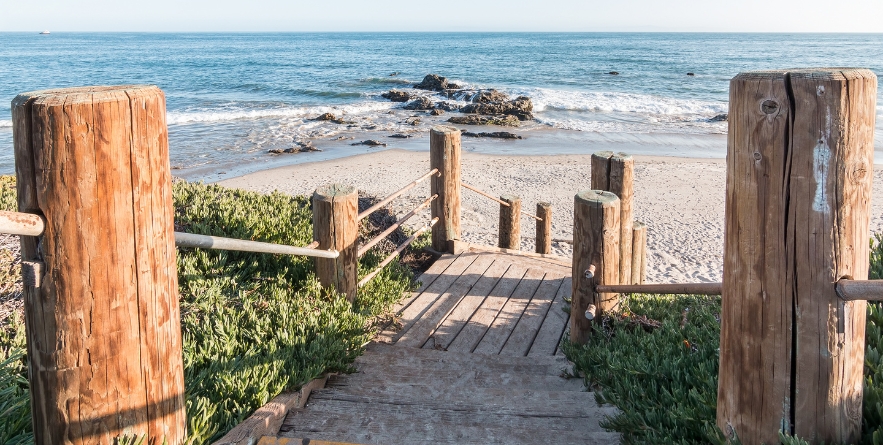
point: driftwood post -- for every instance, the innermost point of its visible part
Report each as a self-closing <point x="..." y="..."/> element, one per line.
<point x="335" y="227"/>
<point x="510" y="223"/>
<point x="544" y="228"/>
<point x="444" y="154"/>
<point x="103" y="324"/>
<point x="799" y="167"/>
<point x="595" y="243"/>
<point x="615" y="172"/>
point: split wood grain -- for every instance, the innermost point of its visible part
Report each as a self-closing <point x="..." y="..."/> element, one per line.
<point x="335" y="227"/>
<point x="444" y="155"/>
<point x="104" y="335"/>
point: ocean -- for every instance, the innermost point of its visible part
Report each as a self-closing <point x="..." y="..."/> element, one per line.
<point x="233" y="97"/>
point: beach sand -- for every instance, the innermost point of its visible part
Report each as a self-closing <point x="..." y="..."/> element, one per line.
<point x="680" y="199"/>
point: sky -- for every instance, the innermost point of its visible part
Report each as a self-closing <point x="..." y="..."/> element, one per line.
<point x="446" y="15"/>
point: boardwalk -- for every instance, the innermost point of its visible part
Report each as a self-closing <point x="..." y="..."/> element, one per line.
<point x="473" y="358"/>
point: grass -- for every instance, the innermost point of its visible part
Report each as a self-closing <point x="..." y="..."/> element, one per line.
<point x="658" y="363"/>
<point x="253" y="325"/>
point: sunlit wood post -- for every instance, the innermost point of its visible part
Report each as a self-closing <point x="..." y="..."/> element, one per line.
<point x="335" y="227"/>
<point x="103" y="324"/>
<point x="444" y="154"/>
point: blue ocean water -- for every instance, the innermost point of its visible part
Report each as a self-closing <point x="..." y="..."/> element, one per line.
<point x="232" y="97"/>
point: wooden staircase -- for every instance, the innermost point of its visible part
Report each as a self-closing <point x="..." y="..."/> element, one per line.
<point x="473" y="358"/>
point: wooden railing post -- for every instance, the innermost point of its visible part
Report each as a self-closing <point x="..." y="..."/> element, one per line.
<point x="510" y="223"/>
<point x="544" y="228"/>
<point x="639" y="253"/>
<point x="444" y="154"/>
<point x="799" y="168"/>
<point x="335" y="227"/>
<point x="615" y="172"/>
<point x="103" y="323"/>
<point x="595" y="243"/>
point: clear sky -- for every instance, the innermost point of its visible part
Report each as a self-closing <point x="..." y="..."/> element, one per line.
<point x="445" y="15"/>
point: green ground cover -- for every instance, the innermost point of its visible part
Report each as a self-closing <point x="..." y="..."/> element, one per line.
<point x="658" y="363"/>
<point x="253" y="325"/>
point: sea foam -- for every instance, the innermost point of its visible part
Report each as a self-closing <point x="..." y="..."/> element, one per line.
<point x="242" y="113"/>
<point x="614" y="102"/>
<point x="5" y="123"/>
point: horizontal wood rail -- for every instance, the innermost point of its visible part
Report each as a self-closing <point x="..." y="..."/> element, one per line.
<point x="395" y="195"/>
<point x="17" y="223"/>
<point x="852" y="290"/>
<point x="491" y="197"/>
<point x="395" y="225"/>
<point x="678" y="288"/>
<point x="216" y="242"/>
<point x="398" y="251"/>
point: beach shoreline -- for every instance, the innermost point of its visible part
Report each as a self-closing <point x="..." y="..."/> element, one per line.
<point x="681" y="199"/>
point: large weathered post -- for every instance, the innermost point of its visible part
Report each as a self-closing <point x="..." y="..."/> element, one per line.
<point x="595" y="243"/>
<point x="510" y="223"/>
<point x="335" y="227"/>
<point x="799" y="167"/>
<point x="615" y="172"/>
<point x="544" y="228"/>
<point x="444" y="154"/>
<point x="103" y="324"/>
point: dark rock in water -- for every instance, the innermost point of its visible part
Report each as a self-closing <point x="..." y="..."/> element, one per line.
<point x="413" y="121"/>
<point x="614" y="73"/>
<point x="691" y="74"/>
<point x="370" y="142"/>
<point x="326" y="117"/>
<point x="434" y="82"/>
<point x="437" y="112"/>
<point x="397" y="96"/>
<point x="275" y="151"/>
<point x="505" y="120"/>
<point x="394" y="74"/>
<point x="719" y="118"/>
<point x="400" y="136"/>
<point x="520" y="107"/>
<point x="420" y="103"/>
<point x="447" y="106"/>
<point x="302" y="147"/>
<point x="489" y="97"/>
<point x="495" y="134"/>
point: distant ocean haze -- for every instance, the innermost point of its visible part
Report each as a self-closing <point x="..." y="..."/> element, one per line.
<point x="233" y="97"/>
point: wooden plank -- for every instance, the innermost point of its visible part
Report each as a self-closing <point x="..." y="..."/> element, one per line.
<point x="454" y="322"/>
<point x="393" y="356"/>
<point x="415" y="310"/>
<point x="549" y="335"/>
<point x="540" y="258"/>
<point x="417" y="335"/>
<point x="504" y="324"/>
<point x="472" y="333"/>
<point x="522" y="337"/>
<point x="269" y="440"/>
<point x="406" y="378"/>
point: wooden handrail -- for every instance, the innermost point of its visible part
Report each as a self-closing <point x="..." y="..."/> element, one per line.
<point x="216" y="242"/>
<point x="395" y="195"/>
<point x="24" y="224"/>
<point x="394" y="226"/>
<point x="491" y="197"/>
<point x="398" y="251"/>
<point x="677" y="288"/>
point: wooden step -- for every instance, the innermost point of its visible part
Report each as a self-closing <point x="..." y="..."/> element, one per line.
<point x="366" y="426"/>
<point x="391" y="356"/>
<point x="451" y="379"/>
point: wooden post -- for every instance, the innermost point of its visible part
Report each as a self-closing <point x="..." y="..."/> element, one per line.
<point x="103" y="327"/>
<point x="444" y="154"/>
<point x="600" y="170"/>
<point x="335" y="227"/>
<point x="639" y="253"/>
<point x="799" y="167"/>
<point x="595" y="242"/>
<point x="622" y="174"/>
<point x="544" y="228"/>
<point x="510" y="222"/>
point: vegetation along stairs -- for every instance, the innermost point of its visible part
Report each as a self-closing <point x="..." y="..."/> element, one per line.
<point x="473" y="359"/>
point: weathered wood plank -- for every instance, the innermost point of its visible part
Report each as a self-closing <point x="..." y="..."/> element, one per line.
<point x="417" y="335"/>
<point x="475" y="329"/>
<point x="445" y="334"/>
<point x="550" y="332"/>
<point x="396" y="357"/>
<point x="504" y="324"/>
<point x="522" y="337"/>
<point x="418" y="306"/>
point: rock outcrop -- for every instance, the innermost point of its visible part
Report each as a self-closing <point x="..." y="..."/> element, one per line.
<point x="504" y="120"/>
<point x="495" y="134"/>
<point x="520" y="107"/>
<point x="370" y="142"/>
<point x="434" y="82"/>
<point x="420" y="103"/>
<point x="397" y="96"/>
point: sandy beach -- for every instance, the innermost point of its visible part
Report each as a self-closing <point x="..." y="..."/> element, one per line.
<point x="680" y="199"/>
